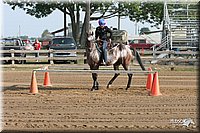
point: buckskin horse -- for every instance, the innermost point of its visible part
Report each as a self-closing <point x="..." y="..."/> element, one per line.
<point x="120" y="54"/>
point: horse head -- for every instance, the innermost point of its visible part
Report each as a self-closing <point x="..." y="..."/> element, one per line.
<point x="90" y="39"/>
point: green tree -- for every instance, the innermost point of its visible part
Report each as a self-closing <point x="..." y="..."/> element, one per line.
<point x="143" y="30"/>
<point x="136" y="11"/>
<point x="151" y="12"/>
<point x="45" y="33"/>
<point x="43" y="9"/>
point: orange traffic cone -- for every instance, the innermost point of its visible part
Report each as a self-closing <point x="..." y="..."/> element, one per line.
<point x="155" y="90"/>
<point x="47" y="79"/>
<point x="149" y="80"/>
<point x="33" y="87"/>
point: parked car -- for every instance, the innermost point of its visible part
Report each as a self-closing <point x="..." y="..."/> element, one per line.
<point x="12" y="43"/>
<point x="63" y="43"/>
<point x="28" y="45"/>
<point x="26" y="41"/>
<point x="141" y="44"/>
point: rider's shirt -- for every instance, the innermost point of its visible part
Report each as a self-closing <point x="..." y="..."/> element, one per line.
<point x="102" y="33"/>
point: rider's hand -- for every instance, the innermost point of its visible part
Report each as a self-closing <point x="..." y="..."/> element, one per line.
<point x="98" y="40"/>
<point x="109" y="40"/>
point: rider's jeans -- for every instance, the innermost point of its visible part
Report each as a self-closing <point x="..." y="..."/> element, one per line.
<point x="105" y="43"/>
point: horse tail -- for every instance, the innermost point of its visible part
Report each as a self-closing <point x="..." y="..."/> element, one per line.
<point x="137" y="56"/>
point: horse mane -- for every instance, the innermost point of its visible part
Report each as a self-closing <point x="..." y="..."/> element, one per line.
<point x="121" y="46"/>
<point x="91" y="50"/>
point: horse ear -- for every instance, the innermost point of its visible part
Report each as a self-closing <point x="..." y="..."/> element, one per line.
<point x="87" y="34"/>
<point x="90" y="33"/>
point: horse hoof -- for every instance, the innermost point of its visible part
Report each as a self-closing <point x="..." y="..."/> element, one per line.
<point x="93" y="89"/>
<point x="108" y="86"/>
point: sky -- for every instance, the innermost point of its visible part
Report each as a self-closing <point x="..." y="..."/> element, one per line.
<point x="17" y="22"/>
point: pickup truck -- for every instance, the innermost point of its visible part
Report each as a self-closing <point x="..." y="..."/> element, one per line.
<point x="12" y="43"/>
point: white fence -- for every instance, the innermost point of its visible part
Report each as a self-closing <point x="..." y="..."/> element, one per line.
<point x="43" y="55"/>
<point x="147" y="56"/>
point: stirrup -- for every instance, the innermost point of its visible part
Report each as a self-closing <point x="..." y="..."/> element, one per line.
<point x="103" y="63"/>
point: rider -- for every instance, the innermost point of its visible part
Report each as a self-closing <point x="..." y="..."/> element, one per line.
<point x="101" y="35"/>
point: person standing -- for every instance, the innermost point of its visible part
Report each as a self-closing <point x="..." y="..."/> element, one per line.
<point x="101" y="35"/>
<point x="37" y="46"/>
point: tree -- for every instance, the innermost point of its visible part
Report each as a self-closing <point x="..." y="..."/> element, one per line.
<point x="136" y="11"/>
<point x="45" y="33"/>
<point x="151" y="12"/>
<point x="143" y="30"/>
<point x="43" y="9"/>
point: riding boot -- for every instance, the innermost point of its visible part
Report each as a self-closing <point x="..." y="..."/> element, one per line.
<point x="105" y="55"/>
<point x="102" y="63"/>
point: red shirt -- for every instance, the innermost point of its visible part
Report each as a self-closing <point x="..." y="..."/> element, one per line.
<point x="37" y="46"/>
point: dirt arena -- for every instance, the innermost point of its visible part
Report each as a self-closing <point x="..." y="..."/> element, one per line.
<point x="69" y="105"/>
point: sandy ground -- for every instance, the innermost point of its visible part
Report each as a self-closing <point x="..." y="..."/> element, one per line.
<point x="69" y="105"/>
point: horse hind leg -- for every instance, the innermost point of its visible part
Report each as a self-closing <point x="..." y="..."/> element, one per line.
<point x="95" y="82"/>
<point x="111" y="81"/>
<point x="114" y="77"/>
<point x="129" y="80"/>
<point x="130" y="75"/>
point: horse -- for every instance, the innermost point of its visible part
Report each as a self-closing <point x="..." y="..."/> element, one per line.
<point x="120" y="54"/>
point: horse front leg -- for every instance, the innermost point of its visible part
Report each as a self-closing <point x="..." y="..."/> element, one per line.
<point x="129" y="80"/>
<point x="114" y="77"/>
<point x="95" y="82"/>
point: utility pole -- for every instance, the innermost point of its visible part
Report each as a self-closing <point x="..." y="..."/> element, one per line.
<point x="19" y="31"/>
<point x="136" y="28"/>
<point x="65" y="22"/>
<point x="87" y="16"/>
<point x="118" y="16"/>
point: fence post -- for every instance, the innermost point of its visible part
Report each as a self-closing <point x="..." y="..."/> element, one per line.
<point x="172" y="56"/>
<point x="154" y="52"/>
<point x="51" y="55"/>
<point x="12" y="56"/>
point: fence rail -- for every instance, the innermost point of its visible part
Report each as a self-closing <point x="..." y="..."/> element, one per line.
<point x="79" y="51"/>
<point x="97" y="71"/>
<point x="48" y="55"/>
<point x="12" y="55"/>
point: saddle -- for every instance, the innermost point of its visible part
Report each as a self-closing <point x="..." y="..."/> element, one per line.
<point x="99" y="46"/>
